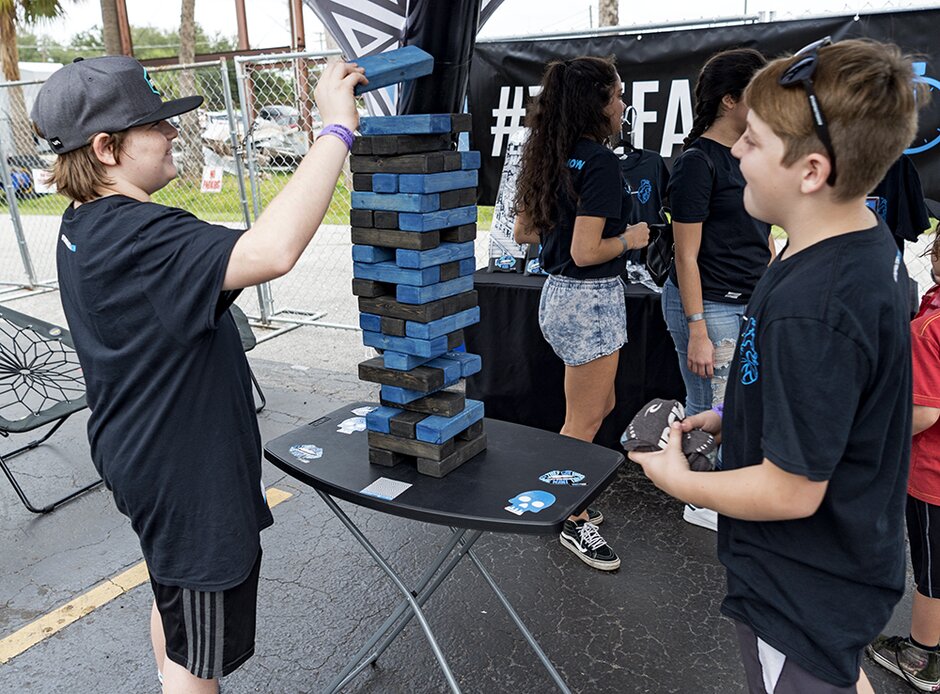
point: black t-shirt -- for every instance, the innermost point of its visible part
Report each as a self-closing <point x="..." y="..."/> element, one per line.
<point x="821" y="386"/>
<point x="172" y="427"/>
<point x="901" y="201"/>
<point x="599" y="191"/>
<point x="734" y="251"/>
<point x="646" y="177"/>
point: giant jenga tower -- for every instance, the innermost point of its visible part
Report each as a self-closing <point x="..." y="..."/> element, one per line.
<point x="413" y="226"/>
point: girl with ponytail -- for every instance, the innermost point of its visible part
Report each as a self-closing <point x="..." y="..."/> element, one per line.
<point x="721" y="251"/>
<point x="571" y="198"/>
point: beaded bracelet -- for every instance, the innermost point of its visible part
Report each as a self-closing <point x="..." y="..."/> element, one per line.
<point x="340" y="131"/>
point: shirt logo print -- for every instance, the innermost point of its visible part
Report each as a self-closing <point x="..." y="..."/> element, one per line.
<point x="747" y="351"/>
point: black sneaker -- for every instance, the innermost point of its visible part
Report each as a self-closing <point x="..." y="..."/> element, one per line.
<point x="919" y="668"/>
<point x="595" y="517"/>
<point x="583" y="539"/>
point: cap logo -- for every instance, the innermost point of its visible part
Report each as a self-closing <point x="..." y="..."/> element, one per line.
<point x="55" y="142"/>
<point x="150" y="82"/>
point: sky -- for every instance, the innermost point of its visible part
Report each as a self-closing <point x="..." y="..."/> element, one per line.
<point x="268" y="20"/>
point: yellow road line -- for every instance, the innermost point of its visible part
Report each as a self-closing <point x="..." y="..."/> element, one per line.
<point x="53" y="622"/>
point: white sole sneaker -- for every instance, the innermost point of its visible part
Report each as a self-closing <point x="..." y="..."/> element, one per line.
<point x="889" y="664"/>
<point x="601" y="565"/>
<point x="701" y="516"/>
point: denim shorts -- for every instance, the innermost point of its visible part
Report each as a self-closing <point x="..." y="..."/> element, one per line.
<point x="583" y="320"/>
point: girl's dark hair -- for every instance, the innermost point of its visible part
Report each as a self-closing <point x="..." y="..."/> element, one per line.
<point x="569" y="106"/>
<point x="727" y="72"/>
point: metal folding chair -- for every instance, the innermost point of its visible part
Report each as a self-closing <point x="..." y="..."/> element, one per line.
<point x="248" y="343"/>
<point x="41" y="383"/>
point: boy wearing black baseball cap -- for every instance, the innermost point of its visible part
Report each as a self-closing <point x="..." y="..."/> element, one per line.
<point x="146" y="291"/>
<point x="817" y="419"/>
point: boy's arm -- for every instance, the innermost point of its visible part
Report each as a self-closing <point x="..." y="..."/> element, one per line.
<point x="275" y="242"/>
<point x="762" y="492"/>
<point x="924" y="418"/>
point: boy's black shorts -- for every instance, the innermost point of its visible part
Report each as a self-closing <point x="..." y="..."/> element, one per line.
<point x="923" y="532"/>
<point x="209" y="633"/>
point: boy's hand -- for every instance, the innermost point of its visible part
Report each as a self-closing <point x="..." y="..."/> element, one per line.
<point x="665" y="467"/>
<point x="334" y="93"/>
<point x="709" y="421"/>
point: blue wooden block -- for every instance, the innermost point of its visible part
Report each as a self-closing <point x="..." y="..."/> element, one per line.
<point x="445" y="253"/>
<point x="389" y="272"/>
<point x="385" y="183"/>
<point x="402" y="396"/>
<point x="442" y="219"/>
<point x="369" y="321"/>
<point x="470" y="160"/>
<point x="467" y="266"/>
<point x="396" y="202"/>
<point x="407" y="345"/>
<point x="402" y="362"/>
<point x="391" y="67"/>
<point x="422" y="295"/>
<point x="377" y="420"/>
<point x="469" y="363"/>
<point x="451" y="368"/>
<point x="418" y="124"/>
<point x="443" y="326"/>
<point x="437" y="429"/>
<point x="434" y="183"/>
<point x="373" y="254"/>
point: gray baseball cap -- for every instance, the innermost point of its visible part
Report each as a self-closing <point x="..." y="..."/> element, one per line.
<point x="100" y="95"/>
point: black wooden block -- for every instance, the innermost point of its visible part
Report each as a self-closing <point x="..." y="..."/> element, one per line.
<point x="427" y="162"/>
<point x="465" y="232"/>
<point x="419" y="449"/>
<point x="404" y="424"/>
<point x="387" y="145"/>
<point x="393" y="326"/>
<point x="445" y="403"/>
<point x="461" y="122"/>
<point x="391" y="238"/>
<point x="419" y="313"/>
<point x="379" y="456"/>
<point x="452" y="161"/>
<point x="472" y="431"/>
<point x="423" y="378"/>
<point x="450" y="271"/>
<point x="363" y="182"/>
<point x="455" y="198"/>
<point x="463" y="451"/>
<point x="360" y="218"/>
<point x="455" y="339"/>
<point x="371" y="288"/>
<point x="383" y="219"/>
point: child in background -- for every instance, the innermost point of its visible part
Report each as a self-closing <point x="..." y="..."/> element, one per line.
<point x="915" y="658"/>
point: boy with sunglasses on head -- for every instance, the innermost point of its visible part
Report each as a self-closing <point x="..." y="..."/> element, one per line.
<point x="146" y="291"/>
<point x="817" y="420"/>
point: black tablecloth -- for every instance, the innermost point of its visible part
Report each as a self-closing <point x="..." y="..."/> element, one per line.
<point x="523" y="380"/>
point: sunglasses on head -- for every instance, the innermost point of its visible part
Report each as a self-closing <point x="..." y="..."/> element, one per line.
<point x="801" y="73"/>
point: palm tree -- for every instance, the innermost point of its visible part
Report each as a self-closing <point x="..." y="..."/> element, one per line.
<point x="13" y="12"/>
<point x="190" y="137"/>
<point x="110" y="29"/>
<point x="607" y="13"/>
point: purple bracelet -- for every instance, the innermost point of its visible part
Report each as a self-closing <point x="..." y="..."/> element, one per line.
<point x="340" y="131"/>
<point x="719" y="409"/>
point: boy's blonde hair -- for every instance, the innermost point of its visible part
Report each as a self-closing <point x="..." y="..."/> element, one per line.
<point x="78" y="175"/>
<point x="869" y="98"/>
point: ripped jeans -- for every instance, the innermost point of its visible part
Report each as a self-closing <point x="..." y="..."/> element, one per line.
<point x="723" y="322"/>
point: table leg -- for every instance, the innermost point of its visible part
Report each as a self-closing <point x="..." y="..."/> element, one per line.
<point x="520" y="625"/>
<point x="416" y="609"/>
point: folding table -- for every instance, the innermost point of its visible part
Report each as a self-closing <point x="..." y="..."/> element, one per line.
<point x="471" y="500"/>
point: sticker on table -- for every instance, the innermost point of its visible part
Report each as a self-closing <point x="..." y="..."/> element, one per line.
<point x="363" y="411"/>
<point x="570" y="477"/>
<point x="348" y="426"/>
<point x="533" y="501"/>
<point x="306" y="452"/>
<point x="384" y="488"/>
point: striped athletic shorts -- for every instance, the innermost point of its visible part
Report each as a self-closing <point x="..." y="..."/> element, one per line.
<point x="211" y="634"/>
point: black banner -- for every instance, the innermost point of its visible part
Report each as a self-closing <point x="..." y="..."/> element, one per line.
<point x="659" y="69"/>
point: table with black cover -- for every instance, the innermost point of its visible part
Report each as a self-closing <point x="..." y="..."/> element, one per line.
<point x="522" y="379"/>
<point x="470" y="500"/>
